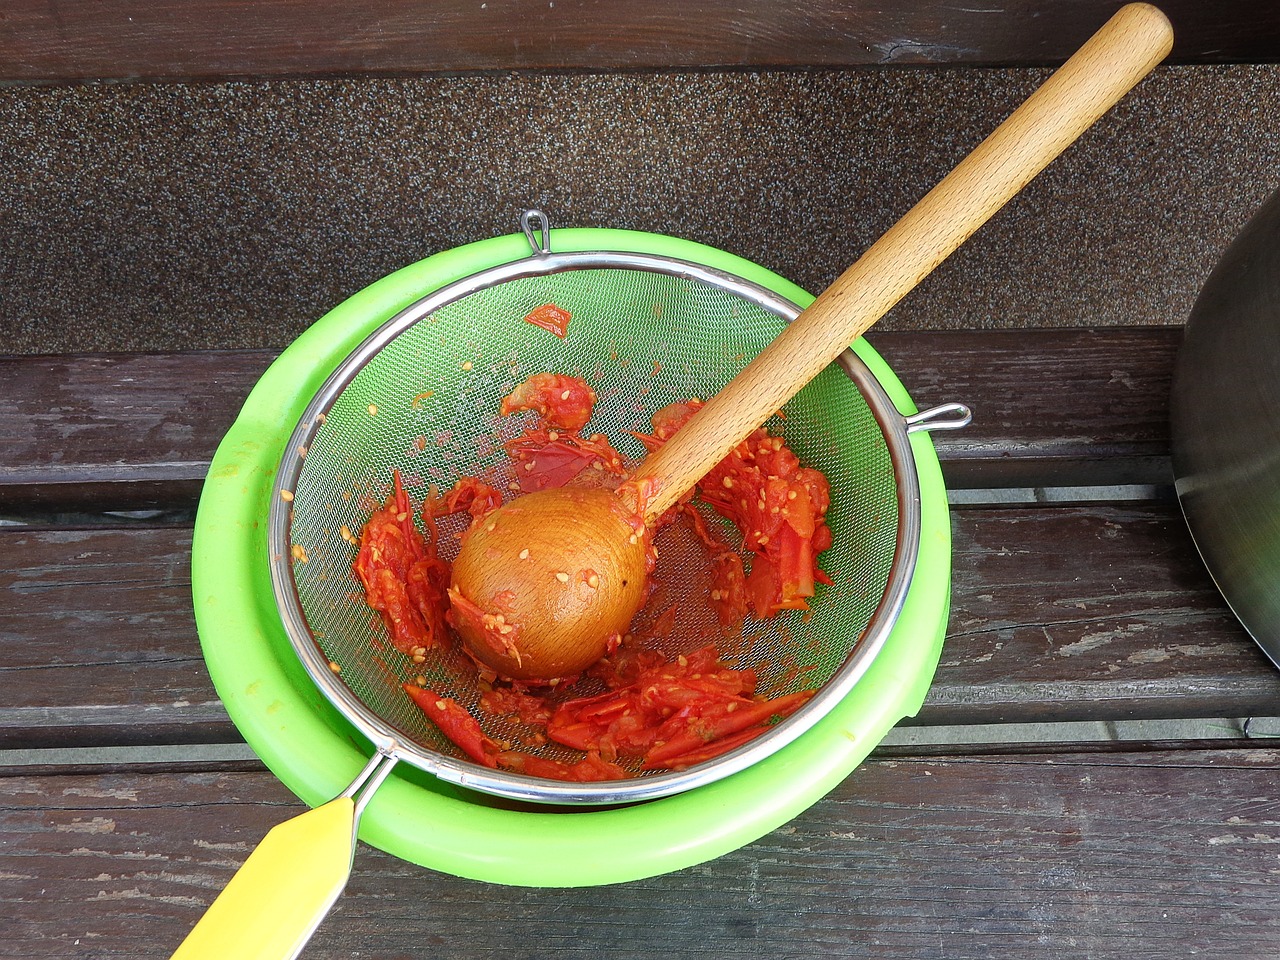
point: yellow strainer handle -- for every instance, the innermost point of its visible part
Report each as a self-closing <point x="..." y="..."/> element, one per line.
<point x="279" y="896"/>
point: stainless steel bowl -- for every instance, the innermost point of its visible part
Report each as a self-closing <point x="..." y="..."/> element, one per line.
<point x="1225" y="418"/>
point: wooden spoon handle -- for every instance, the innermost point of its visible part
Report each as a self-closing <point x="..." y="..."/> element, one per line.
<point x="1125" y="50"/>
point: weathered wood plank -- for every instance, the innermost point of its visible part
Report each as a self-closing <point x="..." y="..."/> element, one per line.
<point x="117" y="431"/>
<point x="1068" y="613"/>
<point x="1051" y="407"/>
<point x="1067" y="407"/>
<point x="98" y="641"/>
<point x="1090" y="612"/>
<point x="82" y="39"/>
<point x="1120" y="855"/>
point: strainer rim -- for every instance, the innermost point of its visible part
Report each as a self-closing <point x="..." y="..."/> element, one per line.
<point x="386" y="736"/>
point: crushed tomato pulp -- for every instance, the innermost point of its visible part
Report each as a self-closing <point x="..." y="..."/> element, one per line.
<point x="652" y="711"/>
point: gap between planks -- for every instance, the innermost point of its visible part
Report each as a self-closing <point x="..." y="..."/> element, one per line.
<point x="902" y="740"/>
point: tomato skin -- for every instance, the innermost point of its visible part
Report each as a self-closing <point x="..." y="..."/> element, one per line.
<point x="705" y="723"/>
<point x="502" y="637"/>
<point x="561" y="400"/>
<point x="777" y="505"/>
<point x="553" y="452"/>
<point x="470" y="495"/>
<point x="403" y="579"/>
<point x="503" y="701"/>
<point x="551" y="318"/>
<point x="589" y="769"/>
<point x="709" y="751"/>
<point x="546" y="458"/>
<point x="668" y="710"/>
<point x="462" y="729"/>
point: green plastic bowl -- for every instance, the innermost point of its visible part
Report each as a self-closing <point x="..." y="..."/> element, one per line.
<point x="316" y="753"/>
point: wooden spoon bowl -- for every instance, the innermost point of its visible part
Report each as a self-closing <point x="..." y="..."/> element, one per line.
<point x="546" y="584"/>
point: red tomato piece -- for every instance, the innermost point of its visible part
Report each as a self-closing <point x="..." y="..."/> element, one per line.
<point x="777" y="505"/>
<point x="729" y="596"/>
<point x="546" y="458"/>
<point x="668" y="710"/>
<point x="694" y="729"/>
<point x="561" y="400"/>
<point x="623" y="668"/>
<point x="462" y="729"/>
<point x="589" y="769"/>
<point x="550" y="318"/>
<point x="468" y="495"/>
<point x="711" y="750"/>
<point x="503" y="701"/>
<point x="493" y="628"/>
<point x="403" y="578"/>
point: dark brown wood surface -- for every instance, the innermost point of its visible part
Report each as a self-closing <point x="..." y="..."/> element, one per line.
<point x="1092" y="612"/>
<point x="88" y="39"/>
<point x="1097" y="611"/>
<point x="1139" y="855"/>
<point x="1051" y="407"/>
<point x="117" y="431"/>
<point x="127" y="431"/>
<point x="97" y="632"/>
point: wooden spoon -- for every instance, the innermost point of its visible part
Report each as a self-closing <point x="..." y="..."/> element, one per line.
<point x="564" y="569"/>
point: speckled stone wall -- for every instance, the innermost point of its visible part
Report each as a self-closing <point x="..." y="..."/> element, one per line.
<point x="153" y="217"/>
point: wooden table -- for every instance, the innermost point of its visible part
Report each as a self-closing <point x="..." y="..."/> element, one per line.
<point x="1090" y="775"/>
<point x="1087" y="778"/>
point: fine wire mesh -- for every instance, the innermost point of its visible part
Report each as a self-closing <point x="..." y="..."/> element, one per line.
<point x="427" y="404"/>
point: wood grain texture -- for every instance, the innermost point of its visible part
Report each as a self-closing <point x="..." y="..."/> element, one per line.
<point x="1098" y="611"/>
<point x="126" y="431"/>
<point x="117" y="431"/>
<point x="1064" y="613"/>
<point x="1143" y="855"/>
<point x="98" y="641"/>
<point x="1051" y="407"/>
<point x="84" y="39"/>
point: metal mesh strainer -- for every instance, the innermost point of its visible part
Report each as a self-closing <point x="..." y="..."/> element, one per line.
<point x="421" y="394"/>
